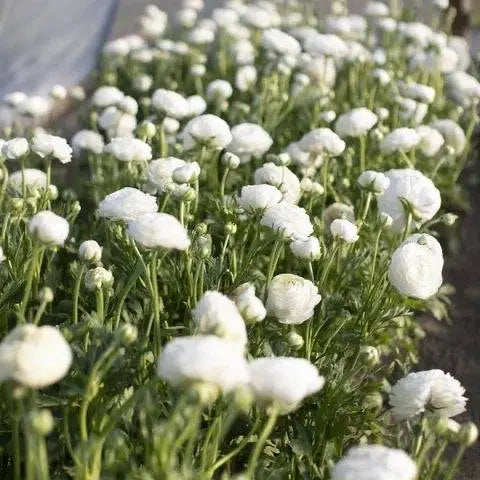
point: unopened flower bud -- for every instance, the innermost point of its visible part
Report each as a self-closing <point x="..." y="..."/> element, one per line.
<point x="373" y="401"/>
<point x="468" y="434"/>
<point x="231" y="160"/>
<point x="370" y="355"/>
<point x="204" y="392"/>
<point x="243" y="399"/>
<point x="146" y="129"/>
<point x="295" y="340"/>
<point x="45" y="295"/>
<point x="439" y="424"/>
<point x="97" y="278"/>
<point x="76" y="207"/>
<point x="385" y="220"/>
<point x="90" y="251"/>
<point x="449" y="219"/>
<point x="52" y="192"/>
<point x="18" y="204"/>
<point x="230" y="228"/>
<point x="127" y="333"/>
<point x="306" y="184"/>
<point x="41" y="421"/>
<point x="201" y="228"/>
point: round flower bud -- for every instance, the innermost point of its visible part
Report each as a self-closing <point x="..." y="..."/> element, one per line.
<point x="375" y="182"/>
<point x="295" y="340"/>
<point x="385" y="220"/>
<point x="98" y="278"/>
<point x="45" y="295"/>
<point x="201" y="228"/>
<point x="48" y="228"/>
<point x="243" y="398"/>
<point x="373" y="401"/>
<point x="41" y="421"/>
<point x="230" y="228"/>
<point x="52" y="192"/>
<point x="90" y="251"/>
<point x="468" y="434"/>
<point x="147" y="129"/>
<point x="127" y="333"/>
<point x="231" y="160"/>
<point x="449" y="219"/>
<point x="370" y="355"/>
<point x="248" y="304"/>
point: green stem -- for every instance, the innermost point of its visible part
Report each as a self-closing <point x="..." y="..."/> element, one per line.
<point x="252" y="462"/>
<point x="100" y="304"/>
<point x="28" y="286"/>
<point x="452" y="469"/>
<point x="76" y="294"/>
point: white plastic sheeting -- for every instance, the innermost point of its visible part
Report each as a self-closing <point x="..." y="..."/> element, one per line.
<point x="45" y="42"/>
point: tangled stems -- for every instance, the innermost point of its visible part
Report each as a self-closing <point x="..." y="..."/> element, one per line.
<point x="267" y="430"/>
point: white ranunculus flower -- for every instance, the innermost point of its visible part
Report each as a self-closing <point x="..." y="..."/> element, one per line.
<point x="292" y="299"/>
<point x="201" y="36"/>
<point x="431" y="140"/>
<point x="400" y="140"/>
<point x="375" y="462"/>
<point x="117" y="123"/>
<point x="260" y="17"/>
<point x="431" y="390"/>
<point x="245" y="77"/>
<point x="377" y="182"/>
<point x="355" y="123"/>
<point x="248" y="304"/>
<point x="282" y="178"/>
<point x="417" y="91"/>
<point x="284" y="382"/>
<point x="187" y="173"/>
<point x="87" y="141"/>
<point x="35" y="106"/>
<point x="49" y="228"/>
<point x="383" y="77"/>
<point x="410" y="186"/>
<point x="219" y="90"/>
<point x="306" y="248"/>
<point x="411" y="111"/>
<point x="259" y="197"/>
<point x="158" y="230"/>
<point x="186" y="361"/>
<point x="344" y="230"/>
<point x="153" y="22"/>
<point x="216" y="314"/>
<point x="90" y="251"/>
<point x="160" y="172"/>
<point x="376" y="9"/>
<point x="128" y="149"/>
<point x="106" y="96"/>
<point x="462" y="88"/>
<point x="98" y="278"/>
<point x="14" y="99"/>
<point x="452" y="133"/>
<point x="322" y="141"/>
<point x="15" y="148"/>
<point x="249" y="140"/>
<point x="415" y="271"/>
<point x="328" y="45"/>
<point x="196" y="105"/>
<point x="206" y="130"/>
<point x="292" y="221"/>
<point x="34" y="180"/>
<point x="280" y="43"/>
<point x="126" y="204"/>
<point x="44" y="145"/>
<point x="170" y="103"/>
<point x="34" y="356"/>
<point x="430" y="242"/>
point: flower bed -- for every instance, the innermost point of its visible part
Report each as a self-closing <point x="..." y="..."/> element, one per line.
<point x="228" y="287"/>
